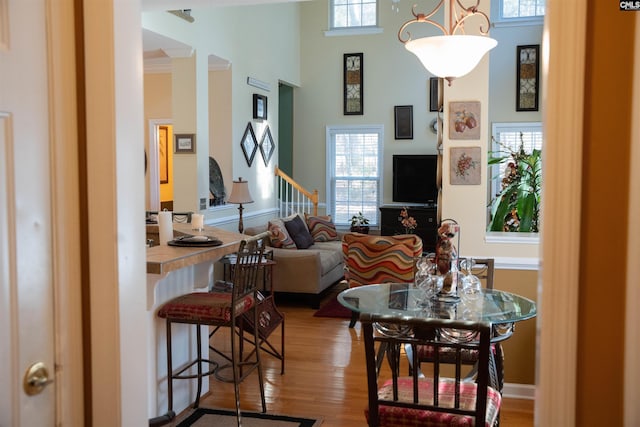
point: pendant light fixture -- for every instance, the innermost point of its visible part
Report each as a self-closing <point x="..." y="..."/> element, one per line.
<point x="454" y="53"/>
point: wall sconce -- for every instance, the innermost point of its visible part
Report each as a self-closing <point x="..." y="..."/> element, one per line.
<point x="239" y="195"/>
<point x="451" y="55"/>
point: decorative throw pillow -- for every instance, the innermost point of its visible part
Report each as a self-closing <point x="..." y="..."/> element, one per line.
<point x="322" y="229"/>
<point x="299" y="232"/>
<point x="279" y="236"/>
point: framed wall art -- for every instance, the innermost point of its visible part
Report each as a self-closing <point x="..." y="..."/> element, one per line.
<point x="527" y="78"/>
<point x="259" y="106"/>
<point x="353" y="84"/>
<point x="464" y="120"/>
<point x="403" y="119"/>
<point x="433" y="94"/>
<point x="249" y="144"/>
<point x="464" y="165"/>
<point x="185" y="143"/>
<point x="267" y="145"/>
<point x="163" y="154"/>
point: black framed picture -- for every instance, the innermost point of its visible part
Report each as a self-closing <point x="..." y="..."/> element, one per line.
<point x="267" y="145"/>
<point x="353" y="84"/>
<point x="527" y="78"/>
<point x="403" y="121"/>
<point x="249" y="144"/>
<point x="433" y="94"/>
<point x="259" y="106"/>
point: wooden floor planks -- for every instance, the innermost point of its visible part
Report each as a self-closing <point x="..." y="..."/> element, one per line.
<point x="324" y="375"/>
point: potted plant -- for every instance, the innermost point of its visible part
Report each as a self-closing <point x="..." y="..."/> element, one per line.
<point x="517" y="206"/>
<point x="360" y="224"/>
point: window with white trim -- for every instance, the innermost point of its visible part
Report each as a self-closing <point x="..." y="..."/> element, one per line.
<point x="354" y="172"/>
<point x="345" y="14"/>
<point x="508" y="134"/>
<point x="517" y="9"/>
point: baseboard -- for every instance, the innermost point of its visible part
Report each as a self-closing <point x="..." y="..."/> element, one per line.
<point x="519" y="391"/>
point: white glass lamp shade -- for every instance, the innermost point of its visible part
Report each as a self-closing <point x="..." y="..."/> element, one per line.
<point x="240" y="192"/>
<point x="453" y="56"/>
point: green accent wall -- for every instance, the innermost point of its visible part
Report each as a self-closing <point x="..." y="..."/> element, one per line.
<point x="285" y="129"/>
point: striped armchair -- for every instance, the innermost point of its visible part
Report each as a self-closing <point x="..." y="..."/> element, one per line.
<point x="372" y="259"/>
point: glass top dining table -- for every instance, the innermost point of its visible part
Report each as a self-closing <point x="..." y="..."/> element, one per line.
<point x="404" y="300"/>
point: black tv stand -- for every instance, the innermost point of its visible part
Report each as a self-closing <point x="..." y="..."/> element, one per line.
<point x="425" y="215"/>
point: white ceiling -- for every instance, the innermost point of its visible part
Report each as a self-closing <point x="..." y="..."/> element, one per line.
<point x="150" y="5"/>
<point x="159" y="49"/>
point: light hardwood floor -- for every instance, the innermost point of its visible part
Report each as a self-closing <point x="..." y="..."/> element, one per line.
<point x="325" y="375"/>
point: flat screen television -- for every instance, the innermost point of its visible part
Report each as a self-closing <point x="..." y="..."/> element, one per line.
<point x="414" y="178"/>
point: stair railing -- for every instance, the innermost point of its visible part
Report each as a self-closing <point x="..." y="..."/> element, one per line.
<point x="293" y="198"/>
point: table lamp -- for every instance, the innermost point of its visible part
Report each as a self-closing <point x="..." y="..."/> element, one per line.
<point x="239" y="195"/>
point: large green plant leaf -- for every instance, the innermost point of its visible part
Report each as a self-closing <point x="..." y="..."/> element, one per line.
<point x="526" y="211"/>
<point x="499" y="210"/>
<point x="522" y="194"/>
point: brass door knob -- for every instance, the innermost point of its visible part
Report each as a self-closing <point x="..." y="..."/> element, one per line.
<point x="36" y="379"/>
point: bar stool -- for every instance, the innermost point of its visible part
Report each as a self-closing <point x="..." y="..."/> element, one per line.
<point x="221" y="307"/>
<point x="270" y="317"/>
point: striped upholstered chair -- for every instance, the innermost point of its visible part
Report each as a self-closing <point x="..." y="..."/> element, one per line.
<point x="372" y="259"/>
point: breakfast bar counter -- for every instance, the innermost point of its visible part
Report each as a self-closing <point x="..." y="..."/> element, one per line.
<point x="162" y="259"/>
<point x="173" y="271"/>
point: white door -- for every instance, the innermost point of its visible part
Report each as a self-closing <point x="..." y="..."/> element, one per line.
<point x="27" y="216"/>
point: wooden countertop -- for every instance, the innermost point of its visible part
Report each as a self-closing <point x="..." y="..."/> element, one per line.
<point x="163" y="259"/>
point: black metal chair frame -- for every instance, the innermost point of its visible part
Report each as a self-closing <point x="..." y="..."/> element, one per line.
<point x="244" y="285"/>
<point x="484" y="270"/>
<point x="425" y="331"/>
<point x="269" y="316"/>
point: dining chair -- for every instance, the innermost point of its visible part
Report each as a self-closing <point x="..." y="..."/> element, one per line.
<point x="370" y="259"/>
<point x="223" y="306"/>
<point x="431" y="398"/>
<point x="483" y="268"/>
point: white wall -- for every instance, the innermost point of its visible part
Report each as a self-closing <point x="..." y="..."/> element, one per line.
<point x="260" y="42"/>
<point x="287" y="42"/>
<point x="393" y="76"/>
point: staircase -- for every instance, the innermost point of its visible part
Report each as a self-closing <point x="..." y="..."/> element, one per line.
<point x="293" y="198"/>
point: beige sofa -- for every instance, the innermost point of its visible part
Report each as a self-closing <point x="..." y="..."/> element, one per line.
<point x="305" y="272"/>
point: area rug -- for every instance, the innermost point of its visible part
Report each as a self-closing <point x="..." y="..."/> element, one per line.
<point x="333" y="309"/>
<point x="202" y="417"/>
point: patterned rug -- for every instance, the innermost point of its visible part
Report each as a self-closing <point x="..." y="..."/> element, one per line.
<point x="224" y="418"/>
<point x="333" y="309"/>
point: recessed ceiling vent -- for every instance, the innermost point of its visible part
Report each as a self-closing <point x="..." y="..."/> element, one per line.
<point x="183" y="13"/>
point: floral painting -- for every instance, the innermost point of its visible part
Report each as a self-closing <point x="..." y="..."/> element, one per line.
<point x="465" y="165"/>
<point x="464" y="120"/>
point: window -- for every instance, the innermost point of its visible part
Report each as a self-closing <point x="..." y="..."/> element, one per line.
<point x="353" y="13"/>
<point x="517" y="178"/>
<point x="508" y="134"/>
<point x="513" y="9"/>
<point x="354" y="180"/>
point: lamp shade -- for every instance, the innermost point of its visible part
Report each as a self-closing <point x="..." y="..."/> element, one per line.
<point x="452" y="56"/>
<point x="240" y="192"/>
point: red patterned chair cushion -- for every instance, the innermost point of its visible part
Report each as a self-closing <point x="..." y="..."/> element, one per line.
<point x="321" y="228"/>
<point x="406" y="417"/>
<point x="379" y="259"/>
<point x="204" y="307"/>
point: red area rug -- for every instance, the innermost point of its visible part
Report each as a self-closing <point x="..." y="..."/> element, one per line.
<point x="333" y="309"/>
